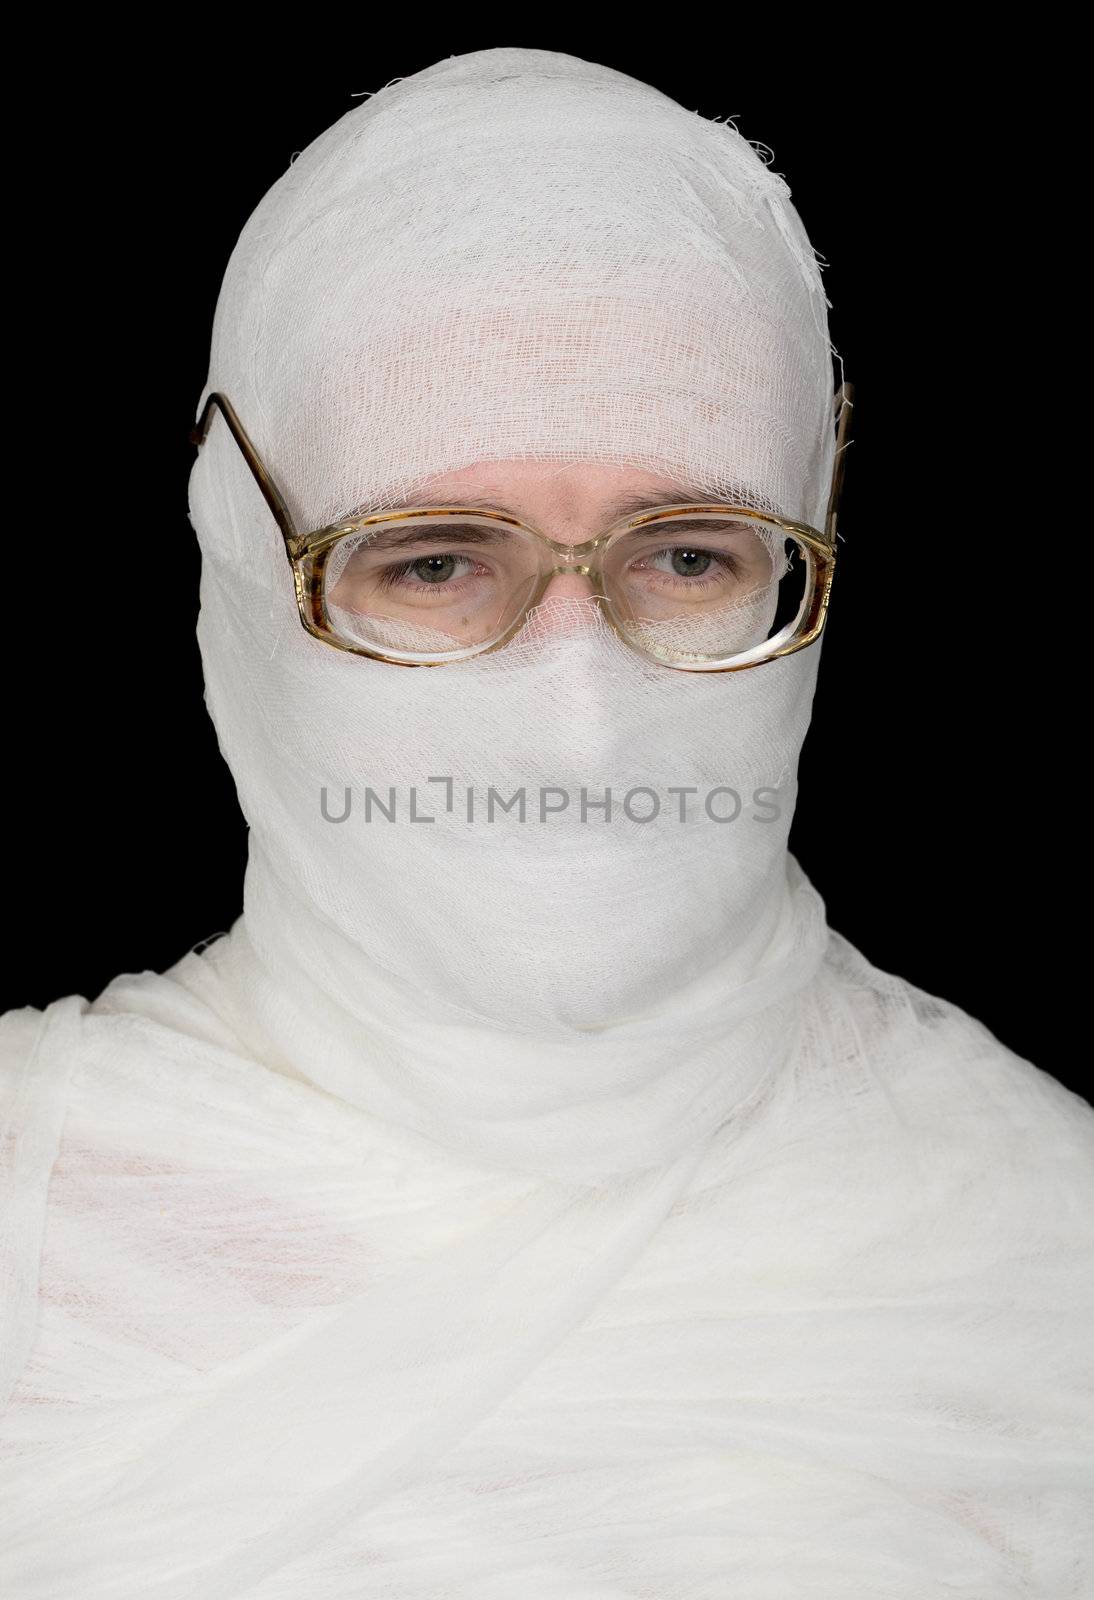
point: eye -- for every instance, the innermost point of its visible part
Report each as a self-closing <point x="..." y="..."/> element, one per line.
<point x="690" y="560"/>
<point x="433" y="570"/>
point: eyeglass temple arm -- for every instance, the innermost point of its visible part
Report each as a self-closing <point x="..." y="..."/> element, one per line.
<point x="843" y="404"/>
<point x="265" y="482"/>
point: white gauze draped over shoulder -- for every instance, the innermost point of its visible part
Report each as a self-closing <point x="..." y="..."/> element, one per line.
<point x="553" y="1209"/>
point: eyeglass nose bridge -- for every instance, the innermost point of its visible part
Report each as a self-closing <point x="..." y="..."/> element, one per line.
<point x="578" y="569"/>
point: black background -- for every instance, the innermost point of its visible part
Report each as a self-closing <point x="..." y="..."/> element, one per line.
<point x="935" y="813"/>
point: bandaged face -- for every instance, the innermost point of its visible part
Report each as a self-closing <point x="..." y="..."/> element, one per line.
<point x="631" y="309"/>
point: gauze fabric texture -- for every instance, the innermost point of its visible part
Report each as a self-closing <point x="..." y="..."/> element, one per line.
<point x="553" y="1208"/>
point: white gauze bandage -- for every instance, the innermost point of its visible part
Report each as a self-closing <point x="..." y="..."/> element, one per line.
<point x="517" y="256"/>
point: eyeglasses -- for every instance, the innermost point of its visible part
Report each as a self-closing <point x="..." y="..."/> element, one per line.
<point x="696" y="587"/>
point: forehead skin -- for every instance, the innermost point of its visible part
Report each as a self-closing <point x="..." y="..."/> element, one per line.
<point x="570" y="501"/>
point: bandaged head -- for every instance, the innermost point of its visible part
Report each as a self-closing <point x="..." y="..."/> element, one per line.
<point x="518" y="256"/>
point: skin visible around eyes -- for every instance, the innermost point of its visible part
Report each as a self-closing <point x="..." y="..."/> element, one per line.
<point x="571" y="502"/>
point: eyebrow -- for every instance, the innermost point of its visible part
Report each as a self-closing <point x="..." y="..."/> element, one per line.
<point x="636" y="500"/>
<point x="622" y="506"/>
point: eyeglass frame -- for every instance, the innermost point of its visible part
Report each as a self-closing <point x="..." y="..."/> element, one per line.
<point x="303" y="549"/>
